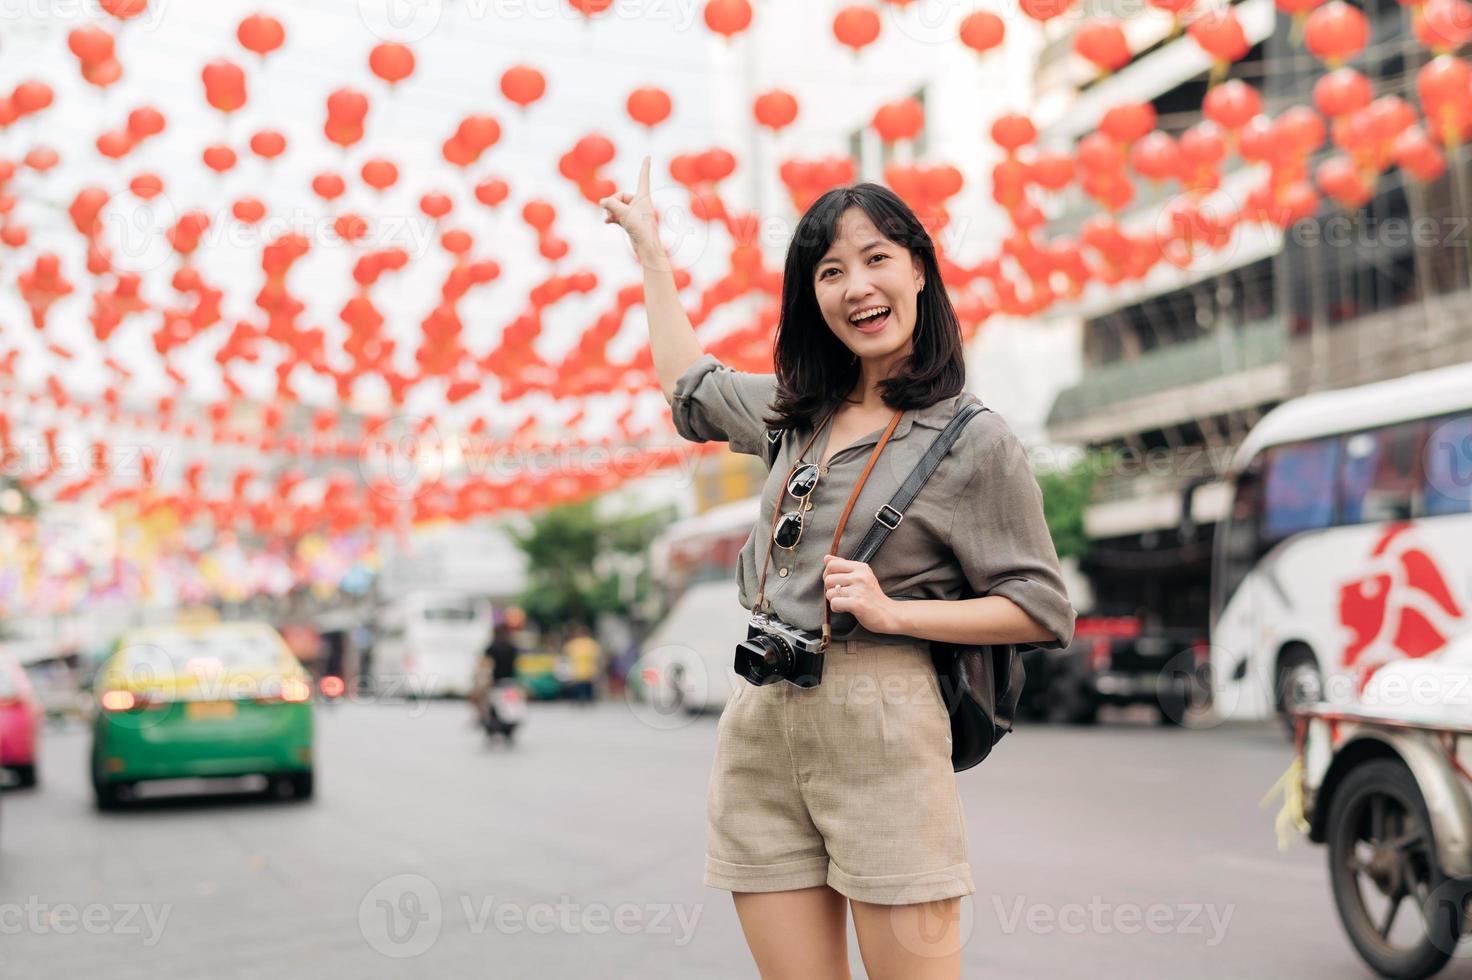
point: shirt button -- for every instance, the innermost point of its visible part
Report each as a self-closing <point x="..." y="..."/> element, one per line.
<point x="782" y="572"/>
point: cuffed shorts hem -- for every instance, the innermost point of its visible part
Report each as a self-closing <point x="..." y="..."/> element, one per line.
<point x="905" y="889"/>
<point x="787" y="876"/>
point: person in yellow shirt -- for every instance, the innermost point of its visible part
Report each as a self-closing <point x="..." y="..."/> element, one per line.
<point x="584" y="657"/>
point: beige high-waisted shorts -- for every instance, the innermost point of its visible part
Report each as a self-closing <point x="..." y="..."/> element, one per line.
<point x="847" y="784"/>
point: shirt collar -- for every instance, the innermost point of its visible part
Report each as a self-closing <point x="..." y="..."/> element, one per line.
<point x="936" y="417"/>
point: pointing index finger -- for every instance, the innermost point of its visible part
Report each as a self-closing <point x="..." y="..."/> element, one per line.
<point x="644" y="178"/>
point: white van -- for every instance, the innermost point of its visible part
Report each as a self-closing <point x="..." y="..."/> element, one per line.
<point x="428" y="644"/>
<point x="687" y="660"/>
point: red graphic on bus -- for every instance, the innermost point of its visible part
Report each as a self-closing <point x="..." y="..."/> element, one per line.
<point x="1401" y="606"/>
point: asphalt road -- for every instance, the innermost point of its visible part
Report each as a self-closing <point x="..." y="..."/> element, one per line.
<point x="1123" y="850"/>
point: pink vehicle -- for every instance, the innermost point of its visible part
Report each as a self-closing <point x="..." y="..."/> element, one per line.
<point x="20" y="720"/>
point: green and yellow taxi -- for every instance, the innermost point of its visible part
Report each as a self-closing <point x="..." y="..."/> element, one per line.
<point x="201" y="700"/>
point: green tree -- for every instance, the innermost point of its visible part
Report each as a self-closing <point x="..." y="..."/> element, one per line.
<point x="563" y="545"/>
<point x="1066" y="494"/>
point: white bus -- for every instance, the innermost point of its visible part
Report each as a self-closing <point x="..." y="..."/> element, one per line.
<point x="428" y="643"/>
<point x="1347" y="543"/>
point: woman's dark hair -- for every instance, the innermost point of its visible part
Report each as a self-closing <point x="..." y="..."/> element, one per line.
<point x="814" y="369"/>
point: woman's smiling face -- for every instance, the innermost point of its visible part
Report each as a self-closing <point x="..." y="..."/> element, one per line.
<point x="866" y="287"/>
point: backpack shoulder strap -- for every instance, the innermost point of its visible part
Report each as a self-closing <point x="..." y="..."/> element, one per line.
<point x="888" y="517"/>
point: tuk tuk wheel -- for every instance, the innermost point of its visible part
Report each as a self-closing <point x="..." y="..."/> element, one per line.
<point x="1391" y="894"/>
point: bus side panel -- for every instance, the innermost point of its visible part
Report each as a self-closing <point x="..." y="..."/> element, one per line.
<point x="1364" y="595"/>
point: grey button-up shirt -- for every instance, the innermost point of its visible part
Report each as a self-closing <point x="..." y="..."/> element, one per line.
<point x="976" y="529"/>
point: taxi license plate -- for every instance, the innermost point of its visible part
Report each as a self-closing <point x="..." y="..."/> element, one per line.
<point x="209" y="709"/>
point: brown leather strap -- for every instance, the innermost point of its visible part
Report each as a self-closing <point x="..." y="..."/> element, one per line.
<point x="848" y="508"/>
<point x="761" y="588"/>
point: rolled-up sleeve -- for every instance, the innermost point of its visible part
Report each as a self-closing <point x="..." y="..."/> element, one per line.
<point x="1001" y="538"/>
<point x="713" y="402"/>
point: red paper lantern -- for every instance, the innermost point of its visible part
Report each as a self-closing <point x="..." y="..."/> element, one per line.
<point x="1339" y="179"/>
<point x="1219" y="33"/>
<point x="115" y="144"/>
<point x="590" y="8"/>
<point x="380" y="174"/>
<point x="1300" y="129"/>
<point x="1418" y="156"/>
<point x="1044" y="10"/>
<point x="491" y="191"/>
<point x="32" y="96"/>
<point x="1012" y="131"/>
<point x="328" y="186"/>
<point x="391" y="62"/>
<point x="261" y="34"/>
<point x="775" y="110"/>
<point x="1231" y="104"/>
<point x="145" y="121"/>
<point x="1156" y="156"/>
<point x="1052" y="171"/>
<point x="899" y="120"/>
<point x="224" y="85"/>
<point x="982" y="31"/>
<point x="1444" y="25"/>
<point x="1336" y="32"/>
<point x="728" y="17"/>
<point x="146" y="186"/>
<point x="539" y="214"/>
<point x="268" y="144"/>
<point x="248" y="210"/>
<point x="1128" y="122"/>
<point x="350" y="227"/>
<point x="90" y="44"/>
<point x="124" y="9"/>
<point x="347" y="105"/>
<point x="649" y="106"/>
<point x="219" y="157"/>
<point x="1444" y="85"/>
<point x="856" y="27"/>
<point x="523" y="85"/>
<point x="594" y="151"/>
<point x="478" y="132"/>
<point x="1103" y="43"/>
<point x="435" y="205"/>
<point x="102" y="73"/>
<point x="1341" y="92"/>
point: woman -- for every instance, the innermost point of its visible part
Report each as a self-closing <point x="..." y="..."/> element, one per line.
<point x="842" y="795"/>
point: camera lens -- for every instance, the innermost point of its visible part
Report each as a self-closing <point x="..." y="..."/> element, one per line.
<point x="763" y="659"/>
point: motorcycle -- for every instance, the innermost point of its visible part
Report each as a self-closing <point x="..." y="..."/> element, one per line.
<point x="1387" y="787"/>
<point x="503" y="708"/>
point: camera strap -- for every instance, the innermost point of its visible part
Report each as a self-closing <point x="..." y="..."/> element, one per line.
<point x="853" y="496"/>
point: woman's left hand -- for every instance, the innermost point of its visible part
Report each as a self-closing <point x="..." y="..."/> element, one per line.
<point x="850" y="587"/>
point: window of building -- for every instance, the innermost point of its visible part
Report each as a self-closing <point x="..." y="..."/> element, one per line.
<point x="1448" y="457"/>
<point x="1299" y="490"/>
<point x="1381" y="476"/>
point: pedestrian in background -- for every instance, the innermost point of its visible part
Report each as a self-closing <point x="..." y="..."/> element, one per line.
<point x="584" y="657"/>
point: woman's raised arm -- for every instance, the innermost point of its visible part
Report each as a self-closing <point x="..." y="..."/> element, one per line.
<point x="673" y="345"/>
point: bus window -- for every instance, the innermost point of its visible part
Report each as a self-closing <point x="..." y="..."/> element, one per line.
<point x="1299" y="491"/>
<point x="1449" y="467"/>
<point x="1380" y="479"/>
<point x="1239" y="551"/>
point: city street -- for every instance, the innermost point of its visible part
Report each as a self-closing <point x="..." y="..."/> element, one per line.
<point x="577" y="853"/>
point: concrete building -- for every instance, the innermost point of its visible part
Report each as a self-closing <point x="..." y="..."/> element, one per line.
<point x="1177" y="368"/>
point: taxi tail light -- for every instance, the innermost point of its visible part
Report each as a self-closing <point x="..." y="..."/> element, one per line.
<point x="118" y="701"/>
<point x="1201" y="651"/>
<point x="1099" y="653"/>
